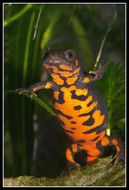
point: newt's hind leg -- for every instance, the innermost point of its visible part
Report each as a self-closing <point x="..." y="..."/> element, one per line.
<point x="93" y="152"/>
<point x="112" y="141"/>
<point x="70" y="157"/>
<point x="70" y="154"/>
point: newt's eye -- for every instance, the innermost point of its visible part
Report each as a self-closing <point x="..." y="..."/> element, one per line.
<point x="69" y="54"/>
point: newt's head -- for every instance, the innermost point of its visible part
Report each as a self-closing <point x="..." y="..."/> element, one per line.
<point x="64" y="63"/>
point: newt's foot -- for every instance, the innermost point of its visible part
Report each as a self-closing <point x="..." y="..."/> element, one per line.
<point x="98" y="72"/>
<point x="119" y="157"/>
<point x="28" y="90"/>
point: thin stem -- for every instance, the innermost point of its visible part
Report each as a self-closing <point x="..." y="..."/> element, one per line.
<point x="37" y="22"/>
<point x="105" y="36"/>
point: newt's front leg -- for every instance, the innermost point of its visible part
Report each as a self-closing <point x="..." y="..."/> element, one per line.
<point x="35" y="87"/>
<point x="93" y="75"/>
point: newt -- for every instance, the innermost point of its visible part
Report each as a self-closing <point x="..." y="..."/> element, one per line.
<point x="79" y="107"/>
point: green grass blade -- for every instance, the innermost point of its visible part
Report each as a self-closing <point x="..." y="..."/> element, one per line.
<point x="27" y="47"/>
<point x="17" y="16"/>
<point x="37" y="100"/>
<point x="41" y="103"/>
<point x="49" y="30"/>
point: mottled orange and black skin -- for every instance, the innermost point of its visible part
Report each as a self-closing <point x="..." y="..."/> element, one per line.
<point x="80" y="108"/>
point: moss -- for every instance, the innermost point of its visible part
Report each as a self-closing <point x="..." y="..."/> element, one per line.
<point x="100" y="173"/>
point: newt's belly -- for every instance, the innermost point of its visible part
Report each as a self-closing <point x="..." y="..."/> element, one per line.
<point x="80" y="114"/>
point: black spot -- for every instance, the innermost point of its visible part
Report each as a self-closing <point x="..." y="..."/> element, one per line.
<point x="81" y="141"/>
<point x="98" y="144"/>
<point x="97" y="129"/>
<point x="60" y="112"/>
<point x="100" y="129"/>
<point x="95" y="138"/>
<point x="90" y="103"/>
<point x="73" y="122"/>
<point x="60" y="97"/>
<point x="86" y="114"/>
<point x="90" y="121"/>
<point x="68" y="131"/>
<point x="74" y="96"/>
<point x="73" y="128"/>
<point x="77" y="107"/>
<point x="108" y="150"/>
<point x="80" y="157"/>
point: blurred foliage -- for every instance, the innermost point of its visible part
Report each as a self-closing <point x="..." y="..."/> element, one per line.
<point x="76" y="26"/>
<point x="114" y="94"/>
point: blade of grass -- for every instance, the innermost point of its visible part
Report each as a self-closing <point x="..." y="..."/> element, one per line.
<point x="27" y="47"/>
<point x="37" y="22"/>
<point x="50" y="29"/>
<point x="24" y="118"/>
<point x="104" y="39"/>
<point x="18" y="15"/>
<point x="36" y="65"/>
<point x="37" y="100"/>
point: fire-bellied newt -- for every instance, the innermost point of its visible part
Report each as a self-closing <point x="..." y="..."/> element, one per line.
<point x="80" y="108"/>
